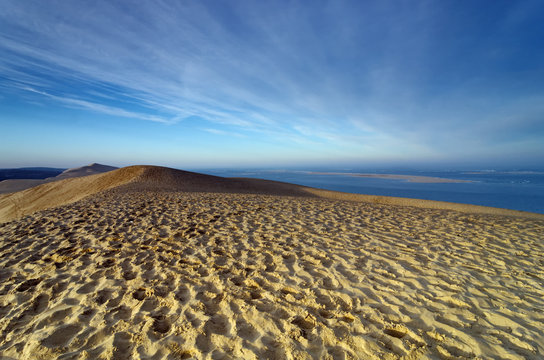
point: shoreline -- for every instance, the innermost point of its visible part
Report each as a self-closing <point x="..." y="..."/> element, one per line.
<point x="409" y="178"/>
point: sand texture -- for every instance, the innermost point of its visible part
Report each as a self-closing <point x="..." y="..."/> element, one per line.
<point x="14" y="185"/>
<point x="135" y="274"/>
<point x="143" y="178"/>
<point x="154" y="263"/>
<point x="87" y="170"/>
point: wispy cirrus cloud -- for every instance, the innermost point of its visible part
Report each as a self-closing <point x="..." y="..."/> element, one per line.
<point x="223" y="132"/>
<point x="97" y="107"/>
<point x="365" y="77"/>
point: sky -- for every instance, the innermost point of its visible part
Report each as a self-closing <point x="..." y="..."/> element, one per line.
<point x="204" y="84"/>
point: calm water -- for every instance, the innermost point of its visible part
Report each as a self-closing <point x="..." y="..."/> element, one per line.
<point x="518" y="190"/>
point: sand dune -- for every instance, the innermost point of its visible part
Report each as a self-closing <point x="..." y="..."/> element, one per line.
<point x="14" y="185"/>
<point x="135" y="274"/>
<point x="60" y="192"/>
<point x="10" y="186"/>
<point x="131" y="178"/>
<point x="134" y="178"/>
<point x="87" y="170"/>
<point x="147" y="262"/>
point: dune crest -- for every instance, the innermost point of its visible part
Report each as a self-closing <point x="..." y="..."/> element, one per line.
<point x="131" y="178"/>
<point x="14" y="185"/>
<point x="157" y="178"/>
<point x="61" y="192"/>
<point x="91" y="169"/>
<point x="151" y="262"/>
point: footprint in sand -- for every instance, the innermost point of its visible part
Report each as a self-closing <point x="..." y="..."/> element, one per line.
<point x="161" y="324"/>
<point x="108" y="262"/>
<point x="129" y="275"/>
<point x="218" y="324"/>
<point x="246" y="331"/>
<point x="62" y="336"/>
<point x="31" y="283"/>
<point x="183" y="295"/>
<point x="39" y="304"/>
<point x="87" y="288"/>
<point x="141" y="293"/>
<point x="161" y="291"/>
<point x="399" y="334"/>
<point x="103" y="296"/>
<point x="122" y="343"/>
<point x="204" y="343"/>
<point x="87" y="315"/>
<point x="115" y="301"/>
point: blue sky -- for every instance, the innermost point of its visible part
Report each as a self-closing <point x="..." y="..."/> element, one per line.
<point x="196" y="84"/>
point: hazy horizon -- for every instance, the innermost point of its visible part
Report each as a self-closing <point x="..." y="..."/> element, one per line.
<point x="218" y="84"/>
<point x="321" y="167"/>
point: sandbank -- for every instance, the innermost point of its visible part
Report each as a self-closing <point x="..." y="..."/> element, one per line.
<point x="409" y="178"/>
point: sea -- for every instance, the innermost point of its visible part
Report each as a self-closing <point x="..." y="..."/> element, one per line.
<point x="515" y="189"/>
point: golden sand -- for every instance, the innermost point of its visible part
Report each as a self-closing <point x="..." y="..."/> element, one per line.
<point x="130" y="273"/>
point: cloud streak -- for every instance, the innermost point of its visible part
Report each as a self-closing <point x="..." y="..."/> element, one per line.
<point x="413" y="73"/>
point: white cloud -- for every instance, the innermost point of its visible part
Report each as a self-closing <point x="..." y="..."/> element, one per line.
<point x="96" y="107"/>
<point x="334" y="76"/>
<point x="223" y="132"/>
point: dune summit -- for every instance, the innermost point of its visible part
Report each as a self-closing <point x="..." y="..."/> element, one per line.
<point x="153" y="263"/>
<point x="132" y="178"/>
<point x="10" y="186"/>
<point x="91" y="169"/>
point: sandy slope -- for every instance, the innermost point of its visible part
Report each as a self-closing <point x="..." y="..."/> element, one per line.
<point x="91" y="169"/>
<point x="10" y="186"/>
<point x="14" y="185"/>
<point x="154" y="263"/>
<point x="141" y="177"/>
<point x="150" y="275"/>
<point x="61" y="192"/>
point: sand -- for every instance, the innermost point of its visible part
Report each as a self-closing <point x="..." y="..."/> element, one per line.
<point x="143" y="178"/>
<point x="15" y="185"/>
<point x="144" y="270"/>
<point x="91" y="169"/>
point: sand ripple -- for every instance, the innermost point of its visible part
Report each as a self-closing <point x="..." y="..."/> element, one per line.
<point x="189" y="275"/>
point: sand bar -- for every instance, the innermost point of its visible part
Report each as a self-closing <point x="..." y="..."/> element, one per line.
<point x="409" y="178"/>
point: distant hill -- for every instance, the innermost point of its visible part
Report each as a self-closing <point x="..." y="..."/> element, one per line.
<point x="91" y="169"/>
<point x="29" y="173"/>
<point x="24" y="178"/>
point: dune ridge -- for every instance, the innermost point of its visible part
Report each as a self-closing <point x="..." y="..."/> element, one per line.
<point x="91" y="169"/>
<point x="61" y="192"/>
<point x="146" y="177"/>
<point x="131" y="178"/>
<point x="147" y="262"/>
<point x="14" y="185"/>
